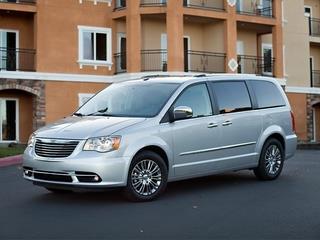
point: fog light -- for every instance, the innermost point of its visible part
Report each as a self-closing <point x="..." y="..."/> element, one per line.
<point x="96" y="178"/>
<point x="28" y="173"/>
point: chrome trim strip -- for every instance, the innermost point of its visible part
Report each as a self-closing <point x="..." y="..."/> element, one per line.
<point x="214" y="160"/>
<point x="217" y="149"/>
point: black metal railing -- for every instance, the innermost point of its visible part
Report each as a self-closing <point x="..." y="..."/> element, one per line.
<point x="120" y="4"/>
<point x="255" y="65"/>
<point x="154" y="60"/>
<point x="314" y="27"/>
<point x="146" y="3"/>
<point x="216" y="5"/>
<point x="315" y="78"/>
<point x="206" y="62"/>
<point x="248" y="7"/>
<point x="17" y="59"/>
<point x="120" y="62"/>
<point x="20" y="1"/>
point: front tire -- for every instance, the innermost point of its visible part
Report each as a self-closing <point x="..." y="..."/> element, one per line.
<point x="147" y="177"/>
<point x="271" y="160"/>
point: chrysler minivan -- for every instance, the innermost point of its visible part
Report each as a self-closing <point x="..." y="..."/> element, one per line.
<point x="141" y="134"/>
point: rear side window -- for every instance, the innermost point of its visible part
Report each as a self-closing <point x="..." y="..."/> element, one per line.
<point x="232" y="96"/>
<point x="267" y="94"/>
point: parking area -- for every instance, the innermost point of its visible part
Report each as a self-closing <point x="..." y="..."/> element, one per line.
<point x="227" y="206"/>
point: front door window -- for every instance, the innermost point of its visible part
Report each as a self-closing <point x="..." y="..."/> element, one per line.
<point x="8" y="120"/>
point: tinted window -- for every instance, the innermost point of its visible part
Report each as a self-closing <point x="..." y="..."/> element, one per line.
<point x="133" y="99"/>
<point x="196" y="97"/>
<point x="232" y="96"/>
<point x="267" y="94"/>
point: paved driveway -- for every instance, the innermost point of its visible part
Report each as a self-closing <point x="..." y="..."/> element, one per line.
<point x="227" y="206"/>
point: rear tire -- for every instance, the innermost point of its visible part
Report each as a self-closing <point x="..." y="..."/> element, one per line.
<point x="147" y="177"/>
<point x="271" y="160"/>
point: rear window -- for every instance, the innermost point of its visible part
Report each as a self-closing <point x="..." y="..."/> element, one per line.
<point x="267" y="94"/>
<point x="232" y="96"/>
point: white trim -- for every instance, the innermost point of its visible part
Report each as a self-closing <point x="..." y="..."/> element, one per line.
<point x="95" y="63"/>
<point x="17" y="122"/>
<point x="96" y="1"/>
<point x="307" y="90"/>
<point x="84" y="77"/>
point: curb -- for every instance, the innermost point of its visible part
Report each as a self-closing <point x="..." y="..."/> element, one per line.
<point x="8" y="161"/>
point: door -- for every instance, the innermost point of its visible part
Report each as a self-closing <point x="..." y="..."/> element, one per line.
<point x="267" y="68"/>
<point x="311" y="71"/>
<point x="240" y="126"/>
<point x="8" y="50"/>
<point x="194" y="138"/>
<point x="8" y="120"/>
<point x="164" y="52"/>
<point x="186" y="49"/>
<point x="122" y="48"/>
<point x="240" y="53"/>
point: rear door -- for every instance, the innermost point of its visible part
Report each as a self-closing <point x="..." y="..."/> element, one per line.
<point x="240" y="126"/>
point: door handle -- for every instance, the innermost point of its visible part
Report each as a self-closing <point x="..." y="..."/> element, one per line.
<point x="227" y="123"/>
<point x="212" y="125"/>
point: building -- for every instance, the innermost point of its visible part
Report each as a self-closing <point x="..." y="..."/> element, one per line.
<point x="54" y="54"/>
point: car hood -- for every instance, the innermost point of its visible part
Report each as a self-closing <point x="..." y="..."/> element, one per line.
<point x="86" y="127"/>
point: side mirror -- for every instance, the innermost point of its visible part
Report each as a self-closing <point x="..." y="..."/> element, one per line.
<point x="182" y="112"/>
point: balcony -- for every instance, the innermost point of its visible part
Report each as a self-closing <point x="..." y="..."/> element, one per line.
<point x="315" y="78"/>
<point x="217" y="5"/>
<point x="154" y="60"/>
<point x="206" y="62"/>
<point x="257" y="8"/>
<point x="256" y="65"/>
<point x="314" y="27"/>
<point x="153" y="3"/>
<point x="32" y="2"/>
<point x="120" y="61"/>
<point x="17" y="59"/>
<point x="120" y="4"/>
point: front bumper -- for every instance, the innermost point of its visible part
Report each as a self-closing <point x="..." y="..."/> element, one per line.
<point x="80" y="170"/>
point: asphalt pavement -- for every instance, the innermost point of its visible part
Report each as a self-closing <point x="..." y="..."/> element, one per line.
<point x="227" y="206"/>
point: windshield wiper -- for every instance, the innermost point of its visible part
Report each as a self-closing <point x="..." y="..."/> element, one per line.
<point x="78" y="114"/>
<point x="99" y="111"/>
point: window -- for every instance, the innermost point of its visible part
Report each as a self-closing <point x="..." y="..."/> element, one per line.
<point x="307" y="11"/>
<point x="95" y="46"/>
<point x="9" y="119"/>
<point x="267" y="59"/>
<point x="198" y="99"/>
<point x="232" y="96"/>
<point x="267" y="94"/>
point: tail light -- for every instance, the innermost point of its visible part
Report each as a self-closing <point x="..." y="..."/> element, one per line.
<point x="293" y="122"/>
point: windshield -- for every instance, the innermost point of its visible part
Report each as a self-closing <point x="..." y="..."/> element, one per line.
<point x="142" y="99"/>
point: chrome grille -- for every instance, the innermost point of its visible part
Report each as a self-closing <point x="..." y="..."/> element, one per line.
<point x="55" y="148"/>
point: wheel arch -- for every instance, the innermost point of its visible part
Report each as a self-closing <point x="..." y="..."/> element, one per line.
<point x="272" y="132"/>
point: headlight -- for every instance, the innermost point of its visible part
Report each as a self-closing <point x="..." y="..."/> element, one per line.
<point x="102" y="144"/>
<point x="31" y="140"/>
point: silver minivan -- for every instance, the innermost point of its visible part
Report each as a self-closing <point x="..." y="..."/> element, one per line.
<point x="141" y="134"/>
